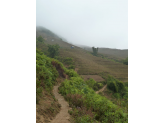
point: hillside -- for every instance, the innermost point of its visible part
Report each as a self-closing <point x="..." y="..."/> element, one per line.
<point x="85" y="62"/>
<point x="77" y="101"/>
<point x="73" y="86"/>
<point x="51" y="38"/>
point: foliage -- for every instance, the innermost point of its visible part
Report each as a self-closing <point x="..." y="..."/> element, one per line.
<point x="46" y="74"/>
<point x="95" y="51"/>
<point x="53" y="50"/>
<point x="91" y="82"/>
<point x="116" y="86"/>
<point x="40" y="39"/>
<point x="67" y="61"/>
<point x="92" y="107"/>
<point x="125" y="61"/>
<point x="71" y="67"/>
<point x="78" y="93"/>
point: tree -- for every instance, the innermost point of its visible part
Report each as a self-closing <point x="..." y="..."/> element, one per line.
<point x="95" y="51"/>
<point x="40" y="39"/>
<point x="53" y="50"/>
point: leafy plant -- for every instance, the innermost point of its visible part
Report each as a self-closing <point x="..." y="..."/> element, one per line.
<point x="40" y="39"/>
<point x="95" y="51"/>
<point x="53" y="50"/>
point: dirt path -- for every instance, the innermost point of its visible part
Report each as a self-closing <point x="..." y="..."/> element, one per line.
<point x="101" y="90"/>
<point x="63" y="116"/>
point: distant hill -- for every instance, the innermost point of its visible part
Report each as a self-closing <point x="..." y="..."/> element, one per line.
<point x="52" y="38"/>
<point x="108" y="51"/>
<point x="43" y="30"/>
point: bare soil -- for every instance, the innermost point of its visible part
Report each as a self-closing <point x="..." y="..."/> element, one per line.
<point x="63" y="116"/>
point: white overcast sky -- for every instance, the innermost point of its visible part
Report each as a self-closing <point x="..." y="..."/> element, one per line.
<point x="99" y="23"/>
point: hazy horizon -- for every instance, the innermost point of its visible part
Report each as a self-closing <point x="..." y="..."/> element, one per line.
<point x="90" y="23"/>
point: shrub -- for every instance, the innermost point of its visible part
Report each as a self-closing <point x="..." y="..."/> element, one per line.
<point x="91" y="82"/>
<point x="71" y="67"/>
<point x="105" y="111"/>
<point x="116" y="86"/>
<point x="112" y="86"/>
<point x="46" y="74"/>
<point x="53" y="50"/>
<point x="40" y="39"/>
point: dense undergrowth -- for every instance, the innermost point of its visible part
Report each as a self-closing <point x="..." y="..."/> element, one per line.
<point x="46" y="74"/>
<point x="116" y="91"/>
<point x="95" y="85"/>
<point x="119" y="88"/>
<point x="80" y="96"/>
<point x="67" y="61"/>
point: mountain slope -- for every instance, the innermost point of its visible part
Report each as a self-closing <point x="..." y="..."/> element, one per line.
<point x="86" y="63"/>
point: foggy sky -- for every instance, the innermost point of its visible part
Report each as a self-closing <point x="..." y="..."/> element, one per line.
<point x="99" y="23"/>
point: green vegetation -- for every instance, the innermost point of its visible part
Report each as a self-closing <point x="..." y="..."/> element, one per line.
<point x="80" y="96"/>
<point x="87" y="106"/>
<point x="53" y="50"/>
<point x="118" y="91"/>
<point x="67" y="61"/>
<point x="95" y="51"/>
<point x="46" y="74"/>
<point x="95" y="85"/>
<point x="40" y="39"/>
<point x="125" y="61"/>
<point x="49" y="50"/>
<point x="117" y="87"/>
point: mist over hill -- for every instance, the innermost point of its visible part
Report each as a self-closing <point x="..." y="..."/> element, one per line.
<point x="52" y="38"/>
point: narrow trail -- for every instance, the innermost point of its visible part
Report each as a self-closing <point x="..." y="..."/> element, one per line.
<point x="101" y="90"/>
<point x="63" y="116"/>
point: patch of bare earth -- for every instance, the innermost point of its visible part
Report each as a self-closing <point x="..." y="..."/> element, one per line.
<point x="97" y="78"/>
<point x="63" y="116"/>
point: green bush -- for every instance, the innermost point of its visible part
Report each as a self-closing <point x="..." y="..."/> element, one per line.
<point x="91" y="82"/>
<point x="116" y="95"/>
<point x="71" y="67"/>
<point x="113" y="86"/>
<point x="46" y="74"/>
<point x="85" y="119"/>
<point x="40" y="39"/>
<point x="68" y="61"/>
<point x="53" y="50"/>
<point x="116" y="86"/>
<point x="126" y="84"/>
<point x="104" y="109"/>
